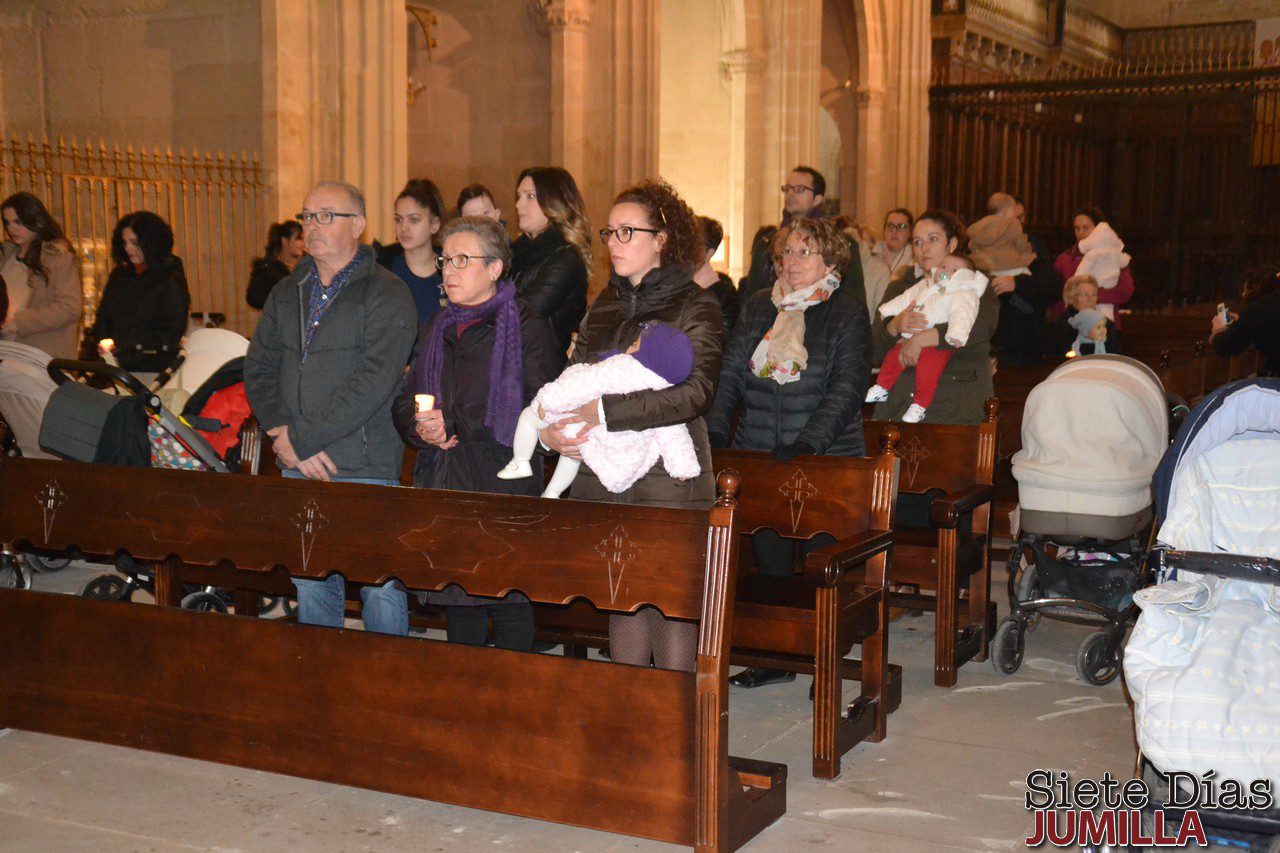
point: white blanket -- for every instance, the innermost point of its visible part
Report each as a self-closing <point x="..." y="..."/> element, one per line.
<point x="619" y="458"/>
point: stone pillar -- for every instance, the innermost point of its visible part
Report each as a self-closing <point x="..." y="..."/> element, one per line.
<point x="744" y="71"/>
<point x="792" y="95"/>
<point x="335" y="102"/>
<point x="893" y="106"/>
<point x="567" y="22"/>
<point x="635" y="84"/>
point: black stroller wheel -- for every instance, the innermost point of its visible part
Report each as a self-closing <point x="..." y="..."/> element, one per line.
<point x="1027" y="588"/>
<point x="1096" y="662"/>
<point x="204" y="602"/>
<point x="1007" y="646"/>
<point x="106" y="588"/>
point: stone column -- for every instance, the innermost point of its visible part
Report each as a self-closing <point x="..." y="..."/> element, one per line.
<point x="635" y="84"/>
<point x="744" y="71"/>
<point x="567" y="22"/>
<point x="335" y="102"/>
<point x="893" y="106"/>
<point x="792" y="95"/>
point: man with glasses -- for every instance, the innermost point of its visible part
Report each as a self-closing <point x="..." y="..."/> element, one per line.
<point x="325" y="361"/>
<point x="803" y="196"/>
<point x="888" y="257"/>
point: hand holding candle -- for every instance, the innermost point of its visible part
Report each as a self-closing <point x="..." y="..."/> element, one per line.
<point x="423" y="403"/>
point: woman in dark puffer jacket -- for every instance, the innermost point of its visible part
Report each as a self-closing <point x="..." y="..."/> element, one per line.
<point x="797" y="365"/>
<point x="551" y="256"/>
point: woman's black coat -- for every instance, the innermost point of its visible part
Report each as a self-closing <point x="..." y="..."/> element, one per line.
<point x="473" y="465"/>
<point x="821" y="409"/>
<point x="265" y="274"/>
<point x="552" y="278"/>
<point x="144" y="313"/>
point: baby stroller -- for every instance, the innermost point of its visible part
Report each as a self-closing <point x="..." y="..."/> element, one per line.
<point x="1092" y="434"/>
<point x="25" y="387"/>
<point x="1203" y="664"/>
<point x="149" y="433"/>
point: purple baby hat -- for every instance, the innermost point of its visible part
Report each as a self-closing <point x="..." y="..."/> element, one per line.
<point x="666" y="351"/>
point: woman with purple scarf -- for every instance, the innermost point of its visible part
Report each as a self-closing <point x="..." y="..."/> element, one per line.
<point x="482" y="358"/>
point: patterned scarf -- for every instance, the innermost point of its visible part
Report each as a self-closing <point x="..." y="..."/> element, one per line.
<point x="506" y="362"/>
<point x="781" y="355"/>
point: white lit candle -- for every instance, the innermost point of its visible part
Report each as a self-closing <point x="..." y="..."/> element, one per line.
<point x="424" y="402"/>
<point x="107" y="347"/>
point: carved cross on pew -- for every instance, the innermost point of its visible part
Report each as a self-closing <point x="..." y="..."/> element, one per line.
<point x="913" y="453"/>
<point x="50" y="498"/>
<point x="309" y="521"/>
<point x="618" y="550"/>
<point x="797" y="490"/>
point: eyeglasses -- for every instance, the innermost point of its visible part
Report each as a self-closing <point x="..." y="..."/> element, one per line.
<point x="460" y="261"/>
<point x="320" y="217"/>
<point x="896" y="226"/>
<point x="624" y="232"/>
<point x="796" y="188"/>
<point x="803" y="254"/>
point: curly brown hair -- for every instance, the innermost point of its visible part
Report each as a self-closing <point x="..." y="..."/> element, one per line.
<point x="667" y="211"/>
<point x="820" y="234"/>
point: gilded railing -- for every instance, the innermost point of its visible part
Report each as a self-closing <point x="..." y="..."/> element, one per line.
<point x="212" y="201"/>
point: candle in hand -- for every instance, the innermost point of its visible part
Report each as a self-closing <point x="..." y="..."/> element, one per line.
<point x="424" y="402"/>
<point x="107" y="347"/>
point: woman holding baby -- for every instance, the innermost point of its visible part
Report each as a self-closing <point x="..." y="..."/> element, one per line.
<point x="479" y="361"/>
<point x="654" y="245"/>
<point x="965" y="383"/>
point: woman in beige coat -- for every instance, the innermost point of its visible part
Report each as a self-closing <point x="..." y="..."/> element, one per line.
<point x="42" y="279"/>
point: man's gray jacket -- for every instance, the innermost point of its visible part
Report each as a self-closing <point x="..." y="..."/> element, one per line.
<point x="339" y="401"/>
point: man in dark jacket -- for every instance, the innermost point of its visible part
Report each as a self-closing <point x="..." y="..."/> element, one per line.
<point x="324" y="363"/>
<point x="802" y="198"/>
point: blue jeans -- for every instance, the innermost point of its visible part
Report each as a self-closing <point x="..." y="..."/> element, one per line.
<point x="385" y="608"/>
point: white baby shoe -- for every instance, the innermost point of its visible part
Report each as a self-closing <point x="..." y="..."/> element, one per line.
<point x="914" y="415"/>
<point x="517" y="469"/>
<point x="876" y="394"/>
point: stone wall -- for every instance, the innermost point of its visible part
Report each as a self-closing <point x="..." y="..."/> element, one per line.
<point x="186" y="73"/>
<point x="484" y="112"/>
<point x="694" y="108"/>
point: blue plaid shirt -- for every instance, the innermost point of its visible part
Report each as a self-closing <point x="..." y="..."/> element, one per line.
<point x="321" y="298"/>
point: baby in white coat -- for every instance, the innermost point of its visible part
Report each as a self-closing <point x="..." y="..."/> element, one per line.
<point x="662" y="356"/>
<point x="1104" y="257"/>
<point x="948" y="294"/>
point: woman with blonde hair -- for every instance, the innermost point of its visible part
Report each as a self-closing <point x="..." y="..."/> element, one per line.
<point x="552" y="255"/>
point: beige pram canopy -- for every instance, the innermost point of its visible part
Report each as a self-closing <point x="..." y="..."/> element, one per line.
<point x="1092" y="435"/>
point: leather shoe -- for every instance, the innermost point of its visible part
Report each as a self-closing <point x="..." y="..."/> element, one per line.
<point x="759" y="676"/>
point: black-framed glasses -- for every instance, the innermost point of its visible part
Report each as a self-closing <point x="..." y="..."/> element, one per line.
<point x="460" y="262"/>
<point x="624" y="233"/>
<point x="320" y="217"/>
<point x="896" y="226"/>
<point x="796" y="188"/>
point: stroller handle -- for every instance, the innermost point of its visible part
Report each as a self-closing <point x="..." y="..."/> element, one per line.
<point x="61" y="370"/>
<point x="1238" y="566"/>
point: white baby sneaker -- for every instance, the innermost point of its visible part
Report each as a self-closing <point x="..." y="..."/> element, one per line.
<point x="913" y="415"/>
<point x="517" y="469"/>
<point x="876" y="394"/>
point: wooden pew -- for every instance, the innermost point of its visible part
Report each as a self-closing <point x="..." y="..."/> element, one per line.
<point x="960" y="460"/>
<point x="622" y="749"/>
<point x="808" y="623"/>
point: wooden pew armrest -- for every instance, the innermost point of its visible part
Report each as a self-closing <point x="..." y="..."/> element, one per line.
<point x="825" y="564"/>
<point x="946" y="510"/>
